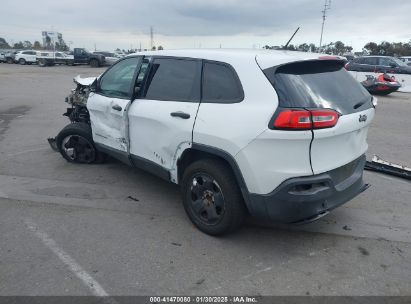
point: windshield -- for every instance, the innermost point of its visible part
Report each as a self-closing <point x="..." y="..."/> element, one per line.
<point x="399" y="62"/>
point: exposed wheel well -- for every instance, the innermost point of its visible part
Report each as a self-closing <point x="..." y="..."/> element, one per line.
<point x="191" y="155"/>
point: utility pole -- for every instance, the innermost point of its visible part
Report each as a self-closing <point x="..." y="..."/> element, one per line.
<point x="288" y="42"/>
<point x="327" y="7"/>
<point x="151" y="37"/>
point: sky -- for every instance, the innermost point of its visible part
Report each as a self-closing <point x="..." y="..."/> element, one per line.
<point x="125" y="24"/>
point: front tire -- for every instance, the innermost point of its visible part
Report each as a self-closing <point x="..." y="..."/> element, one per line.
<point x="212" y="198"/>
<point x="75" y="143"/>
<point x="22" y="61"/>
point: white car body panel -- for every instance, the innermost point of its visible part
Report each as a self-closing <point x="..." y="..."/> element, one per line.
<point x="340" y="145"/>
<point x="29" y="58"/>
<point x="266" y="171"/>
<point x="109" y="126"/>
<point x="251" y="116"/>
<point x="155" y="135"/>
<point x="273" y="157"/>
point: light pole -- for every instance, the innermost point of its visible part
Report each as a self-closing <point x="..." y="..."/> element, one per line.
<point x="327" y="6"/>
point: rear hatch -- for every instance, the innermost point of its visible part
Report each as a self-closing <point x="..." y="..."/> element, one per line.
<point x="341" y="110"/>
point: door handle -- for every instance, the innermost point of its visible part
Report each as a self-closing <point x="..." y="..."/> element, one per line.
<point x="117" y="108"/>
<point x="180" y="114"/>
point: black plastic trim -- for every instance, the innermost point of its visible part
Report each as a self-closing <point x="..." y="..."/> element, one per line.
<point x="135" y="161"/>
<point x="234" y="166"/>
<point x="289" y="204"/>
<point x="150" y="167"/>
<point x="119" y="155"/>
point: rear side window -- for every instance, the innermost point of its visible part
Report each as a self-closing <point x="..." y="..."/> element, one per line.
<point x="174" y="80"/>
<point x="221" y="84"/>
<point x="370" y="60"/>
<point x="318" y="84"/>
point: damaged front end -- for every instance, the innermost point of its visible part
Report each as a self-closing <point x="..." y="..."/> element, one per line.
<point x="78" y="101"/>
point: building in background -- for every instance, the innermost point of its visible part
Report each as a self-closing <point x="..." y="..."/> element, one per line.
<point x="53" y="41"/>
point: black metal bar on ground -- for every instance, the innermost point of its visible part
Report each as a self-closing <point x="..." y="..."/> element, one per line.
<point x="379" y="165"/>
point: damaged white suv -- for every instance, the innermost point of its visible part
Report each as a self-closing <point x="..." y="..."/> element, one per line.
<point x="280" y="135"/>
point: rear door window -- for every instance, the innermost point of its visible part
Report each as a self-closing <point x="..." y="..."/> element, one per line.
<point x="174" y="79"/>
<point x="318" y="84"/>
<point x="220" y="84"/>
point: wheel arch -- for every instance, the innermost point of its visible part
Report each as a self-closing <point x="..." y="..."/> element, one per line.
<point x="199" y="151"/>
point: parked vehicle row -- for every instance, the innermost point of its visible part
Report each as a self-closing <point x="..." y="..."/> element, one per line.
<point x="378" y="64"/>
<point x="49" y="58"/>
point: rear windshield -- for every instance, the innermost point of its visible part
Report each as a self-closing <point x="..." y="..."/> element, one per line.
<point x="318" y="84"/>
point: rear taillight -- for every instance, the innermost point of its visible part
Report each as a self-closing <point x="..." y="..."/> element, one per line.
<point x="324" y="118"/>
<point x="299" y="119"/>
<point x="293" y="119"/>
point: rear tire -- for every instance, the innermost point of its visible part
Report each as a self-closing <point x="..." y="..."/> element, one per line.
<point x="10" y="60"/>
<point x="94" y="63"/>
<point x="75" y="143"/>
<point x="42" y="62"/>
<point x="212" y="198"/>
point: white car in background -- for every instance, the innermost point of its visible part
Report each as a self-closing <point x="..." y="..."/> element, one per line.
<point x="406" y="59"/>
<point x="26" y="57"/>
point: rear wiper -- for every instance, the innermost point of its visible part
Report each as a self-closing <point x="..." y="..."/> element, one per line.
<point x="358" y="105"/>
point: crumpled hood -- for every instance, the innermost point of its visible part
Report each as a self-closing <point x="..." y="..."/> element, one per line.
<point x="88" y="81"/>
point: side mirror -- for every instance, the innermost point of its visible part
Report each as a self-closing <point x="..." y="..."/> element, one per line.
<point x="94" y="86"/>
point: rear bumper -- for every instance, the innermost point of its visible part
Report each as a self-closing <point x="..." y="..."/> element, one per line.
<point x="305" y="199"/>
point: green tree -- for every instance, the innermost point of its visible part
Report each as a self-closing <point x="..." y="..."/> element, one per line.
<point x="37" y="45"/>
<point x="27" y="45"/>
<point x="18" y="45"/>
<point x="304" y="47"/>
<point x="371" y="48"/>
<point x="339" y="48"/>
<point x="4" y="44"/>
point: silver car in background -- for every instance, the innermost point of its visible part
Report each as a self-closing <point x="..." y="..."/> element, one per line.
<point x="110" y="57"/>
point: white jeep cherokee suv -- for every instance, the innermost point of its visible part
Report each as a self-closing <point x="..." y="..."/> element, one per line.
<point x="26" y="57"/>
<point x="280" y="135"/>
